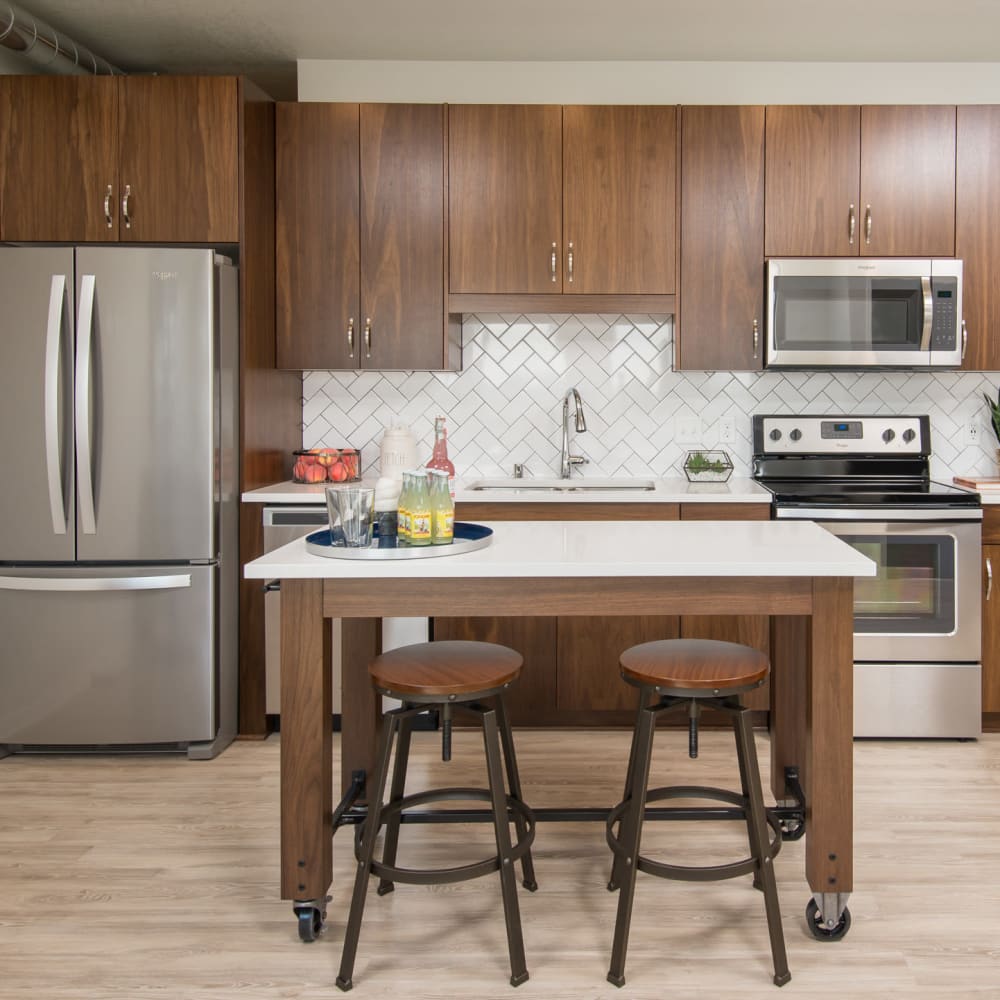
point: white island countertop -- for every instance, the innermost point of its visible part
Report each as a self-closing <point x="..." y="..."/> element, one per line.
<point x="602" y="549"/>
<point x="669" y="490"/>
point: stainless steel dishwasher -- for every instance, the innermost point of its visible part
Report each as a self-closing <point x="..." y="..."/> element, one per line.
<point x="282" y="525"/>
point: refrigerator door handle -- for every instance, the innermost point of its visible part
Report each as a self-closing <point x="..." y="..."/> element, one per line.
<point x="84" y="469"/>
<point x="177" y="581"/>
<point x="53" y="346"/>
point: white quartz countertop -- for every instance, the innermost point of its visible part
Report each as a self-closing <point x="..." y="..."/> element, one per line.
<point x="602" y="549"/>
<point x="670" y="490"/>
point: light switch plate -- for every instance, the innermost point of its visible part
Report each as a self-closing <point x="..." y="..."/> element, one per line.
<point x="688" y="430"/>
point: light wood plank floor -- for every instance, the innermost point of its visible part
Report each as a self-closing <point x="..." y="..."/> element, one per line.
<point x="133" y="877"/>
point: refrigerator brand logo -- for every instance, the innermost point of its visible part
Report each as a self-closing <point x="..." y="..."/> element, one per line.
<point x="164" y="275"/>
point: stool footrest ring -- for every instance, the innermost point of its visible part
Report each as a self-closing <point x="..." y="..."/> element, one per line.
<point x="458" y="873"/>
<point x="692" y="873"/>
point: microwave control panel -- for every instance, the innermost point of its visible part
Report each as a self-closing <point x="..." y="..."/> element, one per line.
<point x="832" y="435"/>
<point x="944" y="323"/>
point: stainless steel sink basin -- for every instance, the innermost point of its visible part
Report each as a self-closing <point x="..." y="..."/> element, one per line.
<point x="555" y="485"/>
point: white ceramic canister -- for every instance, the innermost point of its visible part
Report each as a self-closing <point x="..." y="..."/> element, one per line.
<point x="397" y="452"/>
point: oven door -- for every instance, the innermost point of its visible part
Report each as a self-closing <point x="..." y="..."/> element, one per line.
<point x="863" y="313"/>
<point x="923" y="604"/>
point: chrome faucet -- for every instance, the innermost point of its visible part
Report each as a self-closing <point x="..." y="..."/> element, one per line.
<point x="567" y="461"/>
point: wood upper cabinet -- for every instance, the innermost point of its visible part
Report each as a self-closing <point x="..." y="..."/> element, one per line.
<point x="977" y="236"/>
<point x="360" y="237"/>
<point x="877" y="180"/>
<point x="720" y="319"/>
<point x="94" y="159"/>
<point x="545" y="199"/>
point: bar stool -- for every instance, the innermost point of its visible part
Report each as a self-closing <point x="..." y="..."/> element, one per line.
<point x="444" y="676"/>
<point x="675" y="675"/>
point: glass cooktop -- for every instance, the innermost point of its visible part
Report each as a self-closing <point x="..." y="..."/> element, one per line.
<point x="907" y="493"/>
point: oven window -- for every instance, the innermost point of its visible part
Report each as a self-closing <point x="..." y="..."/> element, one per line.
<point x="847" y="313"/>
<point x="913" y="591"/>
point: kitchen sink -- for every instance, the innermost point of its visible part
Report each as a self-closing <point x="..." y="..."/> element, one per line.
<point x="563" y="485"/>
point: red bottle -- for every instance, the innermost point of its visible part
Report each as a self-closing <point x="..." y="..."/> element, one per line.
<point x="439" y="458"/>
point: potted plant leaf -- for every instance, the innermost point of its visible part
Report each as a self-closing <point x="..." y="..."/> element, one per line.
<point x="708" y="466"/>
<point x="994" y="408"/>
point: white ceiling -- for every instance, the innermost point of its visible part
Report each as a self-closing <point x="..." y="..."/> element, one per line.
<point x="264" y="38"/>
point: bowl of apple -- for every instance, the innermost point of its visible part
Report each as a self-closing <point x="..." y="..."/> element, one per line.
<point x="327" y="465"/>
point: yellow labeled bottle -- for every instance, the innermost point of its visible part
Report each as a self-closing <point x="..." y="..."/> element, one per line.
<point x="420" y="511"/>
<point x="405" y="502"/>
<point x="442" y="509"/>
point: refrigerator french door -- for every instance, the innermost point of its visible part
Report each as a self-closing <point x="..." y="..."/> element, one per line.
<point x="118" y="530"/>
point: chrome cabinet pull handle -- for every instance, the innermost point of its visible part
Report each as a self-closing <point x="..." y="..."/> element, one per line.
<point x="850" y="225"/>
<point x="554" y="262"/>
<point x="350" y="337"/>
<point x="756" y="337"/>
<point x="868" y="225"/>
<point x="125" y="198"/>
<point x="107" y="208"/>
<point x="569" y="256"/>
<point x="965" y="338"/>
<point x="989" y="578"/>
<point x="368" y="337"/>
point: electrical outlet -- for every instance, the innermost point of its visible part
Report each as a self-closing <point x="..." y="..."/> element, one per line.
<point x="688" y="430"/>
<point x="727" y="430"/>
<point x="973" y="433"/>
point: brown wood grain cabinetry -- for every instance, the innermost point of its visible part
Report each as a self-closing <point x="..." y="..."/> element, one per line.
<point x="360" y="237"/>
<point x="874" y="181"/>
<point x="991" y="617"/>
<point x="548" y="200"/>
<point x="977" y="236"/>
<point x="720" y="322"/>
<point x="94" y="159"/>
<point x="571" y="672"/>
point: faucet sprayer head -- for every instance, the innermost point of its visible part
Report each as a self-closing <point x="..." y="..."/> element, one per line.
<point x="581" y="423"/>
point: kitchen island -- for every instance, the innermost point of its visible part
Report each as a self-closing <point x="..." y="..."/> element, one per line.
<point x="794" y="571"/>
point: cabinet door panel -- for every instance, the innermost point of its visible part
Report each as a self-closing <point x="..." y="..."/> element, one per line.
<point x="505" y="197"/>
<point x="318" y="250"/>
<point x="60" y="159"/>
<point x="908" y="178"/>
<point x="722" y="239"/>
<point x="402" y="235"/>
<point x="813" y="161"/>
<point x="991" y="629"/>
<point x="619" y="199"/>
<point x="977" y="236"/>
<point x="179" y="154"/>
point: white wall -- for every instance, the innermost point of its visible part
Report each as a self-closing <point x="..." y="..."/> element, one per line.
<point x="649" y="82"/>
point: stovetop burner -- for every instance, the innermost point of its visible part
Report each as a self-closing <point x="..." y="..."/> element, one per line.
<point x="919" y="493"/>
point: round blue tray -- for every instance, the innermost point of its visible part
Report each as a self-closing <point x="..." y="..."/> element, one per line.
<point x="468" y="537"/>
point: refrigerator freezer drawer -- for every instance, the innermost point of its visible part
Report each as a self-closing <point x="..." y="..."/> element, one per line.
<point x="107" y="656"/>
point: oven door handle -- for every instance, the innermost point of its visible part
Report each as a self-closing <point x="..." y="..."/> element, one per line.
<point x="925" y="337"/>
<point x="938" y="514"/>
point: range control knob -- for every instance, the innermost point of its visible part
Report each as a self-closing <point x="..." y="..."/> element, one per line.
<point x="775" y="435"/>
<point x="888" y="435"/>
<point x="796" y="434"/>
<point x="909" y="434"/>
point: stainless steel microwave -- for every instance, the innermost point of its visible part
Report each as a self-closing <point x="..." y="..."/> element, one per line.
<point x="864" y="313"/>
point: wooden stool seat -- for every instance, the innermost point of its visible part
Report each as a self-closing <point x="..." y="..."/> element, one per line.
<point x="446" y="670"/>
<point x="693" y="666"/>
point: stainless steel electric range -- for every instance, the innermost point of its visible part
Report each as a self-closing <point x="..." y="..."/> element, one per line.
<point x="917" y="623"/>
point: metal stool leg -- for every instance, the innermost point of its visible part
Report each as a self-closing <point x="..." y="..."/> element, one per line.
<point x="514" y="783"/>
<point x="372" y="823"/>
<point x="614" y="881"/>
<point x="395" y="795"/>
<point x="759" y="846"/>
<point x="501" y="826"/>
<point x="631" y="835"/>
<point x="741" y="758"/>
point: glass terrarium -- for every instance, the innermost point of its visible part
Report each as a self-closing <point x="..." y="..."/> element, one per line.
<point x="708" y="466"/>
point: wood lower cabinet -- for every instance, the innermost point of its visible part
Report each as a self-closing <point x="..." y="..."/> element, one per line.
<point x="991" y="618"/>
<point x="360" y="238"/>
<point x="571" y="675"/>
<point x="575" y="200"/>
<point x="977" y="237"/>
<point x="720" y="317"/>
<point x="874" y="181"/>
<point x="121" y="159"/>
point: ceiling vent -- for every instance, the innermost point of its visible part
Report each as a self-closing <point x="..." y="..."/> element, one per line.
<point x="48" y="50"/>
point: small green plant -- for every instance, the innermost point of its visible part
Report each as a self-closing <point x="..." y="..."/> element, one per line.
<point x="994" y="414"/>
<point x="697" y="462"/>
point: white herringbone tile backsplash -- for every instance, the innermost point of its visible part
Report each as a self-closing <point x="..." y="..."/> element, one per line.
<point x="505" y="406"/>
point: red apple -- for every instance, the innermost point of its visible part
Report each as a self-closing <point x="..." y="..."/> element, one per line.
<point x="315" y="474"/>
<point x="338" y="472"/>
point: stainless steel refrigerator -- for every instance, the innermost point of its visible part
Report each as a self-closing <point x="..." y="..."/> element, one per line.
<point x="119" y="503"/>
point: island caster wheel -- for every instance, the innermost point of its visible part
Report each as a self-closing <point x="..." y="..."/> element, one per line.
<point x="792" y="829"/>
<point x="819" y="930"/>
<point x="311" y="920"/>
